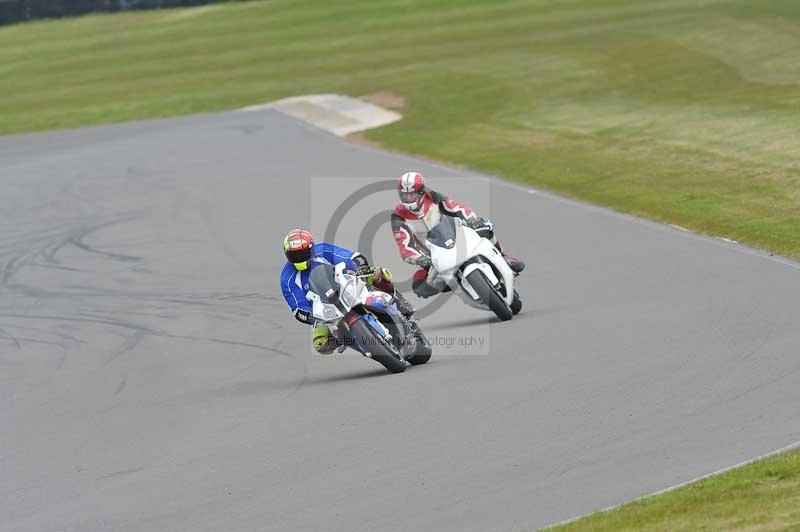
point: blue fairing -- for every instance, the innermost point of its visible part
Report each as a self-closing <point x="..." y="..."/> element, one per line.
<point x="374" y="323"/>
<point x="379" y="303"/>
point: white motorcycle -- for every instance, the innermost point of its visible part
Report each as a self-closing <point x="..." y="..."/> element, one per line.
<point x="364" y="319"/>
<point x="472" y="267"/>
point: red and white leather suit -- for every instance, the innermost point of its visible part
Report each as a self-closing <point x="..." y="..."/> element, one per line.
<point x="411" y="228"/>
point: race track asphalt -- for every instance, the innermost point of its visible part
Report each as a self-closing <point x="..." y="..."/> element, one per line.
<point x="152" y="379"/>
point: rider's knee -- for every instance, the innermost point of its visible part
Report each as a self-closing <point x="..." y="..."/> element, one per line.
<point x="488" y="234"/>
<point x="422" y="289"/>
<point x="382" y="280"/>
<point x="323" y="341"/>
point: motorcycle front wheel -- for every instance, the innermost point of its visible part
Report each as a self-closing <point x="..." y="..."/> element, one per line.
<point x="489" y="295"/>
<point x="379" y="349"/>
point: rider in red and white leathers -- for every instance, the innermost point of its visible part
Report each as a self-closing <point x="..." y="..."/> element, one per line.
<point x="420" y="210"/>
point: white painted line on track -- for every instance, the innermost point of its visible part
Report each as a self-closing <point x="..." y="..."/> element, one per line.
<point x="790" y="447"/>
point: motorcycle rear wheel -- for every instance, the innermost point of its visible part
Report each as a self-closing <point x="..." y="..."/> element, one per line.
<point x="516" y="305"/>
<point x="423" y="352"/>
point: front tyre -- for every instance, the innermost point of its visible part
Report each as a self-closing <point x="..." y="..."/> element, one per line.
<point x="378" y="347"/>
<point x="489" y="295"/>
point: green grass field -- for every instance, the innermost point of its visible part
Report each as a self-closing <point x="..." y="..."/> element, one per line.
<point x="686" y="111"/>
<point x="759" y="497"/>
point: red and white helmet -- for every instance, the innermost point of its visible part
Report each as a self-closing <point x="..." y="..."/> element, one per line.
<point x="411" y="189"/>
<point x="298" y="246"/>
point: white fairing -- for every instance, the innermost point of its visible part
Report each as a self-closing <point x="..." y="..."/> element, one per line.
<point x="352" y="291"/>
<point x="468" y="245"/>
<point x="323" y="311"/>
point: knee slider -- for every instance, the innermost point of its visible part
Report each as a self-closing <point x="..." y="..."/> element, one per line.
<point x="383" y="280"/>
<point x="324" y="343"/>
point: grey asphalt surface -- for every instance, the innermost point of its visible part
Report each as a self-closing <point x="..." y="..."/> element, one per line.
<point x="151" y="377"/>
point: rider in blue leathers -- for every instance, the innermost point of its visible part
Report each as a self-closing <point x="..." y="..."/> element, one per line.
<point x="294" y="282"/>
<point x="302" y="256"/>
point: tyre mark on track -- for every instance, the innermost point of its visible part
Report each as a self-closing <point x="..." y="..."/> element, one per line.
<point x="43" y="250"/>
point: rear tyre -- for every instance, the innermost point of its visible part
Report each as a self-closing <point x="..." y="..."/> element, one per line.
<point x="380" y="350"/>
<point x="422" y="356"/>
<point x="423" y="353"/>
<point x="489" y="295"/>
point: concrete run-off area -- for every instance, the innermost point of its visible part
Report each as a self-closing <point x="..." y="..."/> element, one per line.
<point x="338" y="114"/>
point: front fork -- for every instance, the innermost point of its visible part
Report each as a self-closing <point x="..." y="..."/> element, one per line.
<point x="351" y="317"/>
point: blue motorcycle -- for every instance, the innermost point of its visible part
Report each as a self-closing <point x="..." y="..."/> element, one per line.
<point x="365" y="319"/>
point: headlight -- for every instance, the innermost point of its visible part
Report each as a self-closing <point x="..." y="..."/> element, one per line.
<point x="329" y="312"/>
<point x="346" y="299"/>
<point x="348" y="295"/>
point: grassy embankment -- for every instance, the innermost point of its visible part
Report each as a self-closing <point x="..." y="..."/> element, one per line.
<point x="758" y="497"/>
<point x="686" y="111"/>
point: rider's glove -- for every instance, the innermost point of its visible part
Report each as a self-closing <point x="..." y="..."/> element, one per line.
<point x="480" y="223"/>
<point x="303" y="316"/>
<point x="483" y="226"/>
<point x="365" y="271"/>
<point x="424" y="262"/>
<point x="359" y="260"/>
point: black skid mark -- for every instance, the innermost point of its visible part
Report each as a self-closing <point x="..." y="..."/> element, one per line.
<point x="12" y="267"/>
<point x="61" y="359"/>
<point x="232" y="343"/>
<point x="82" y="318"/>
<point x="42" y="250"/>
<point x="49" y="254"/>
<point x="247" y="296"/>
<point x="76" y="236"/>
<point x="140" y="332"/>
<point x="129" y="344"/>
<point x="80" y="244"/>
<point x="200" y="300"/>
<point x="124" y="472"/>
<point x="11" y="338"/>
<point x="122" y="384"/>
<point x="77" y="240"/>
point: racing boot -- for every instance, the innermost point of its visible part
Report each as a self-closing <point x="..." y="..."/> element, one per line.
<point x="515" y="264"/>
<point x="382" y="280"/>
<point x="403" y="305"/>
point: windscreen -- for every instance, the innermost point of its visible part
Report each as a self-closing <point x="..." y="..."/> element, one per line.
<point x="444" y="234"/>
<point x="322" y="281"/>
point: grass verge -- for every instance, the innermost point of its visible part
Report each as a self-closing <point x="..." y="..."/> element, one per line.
<point x="685" y="111"/>
<point x="761" y="496"/>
